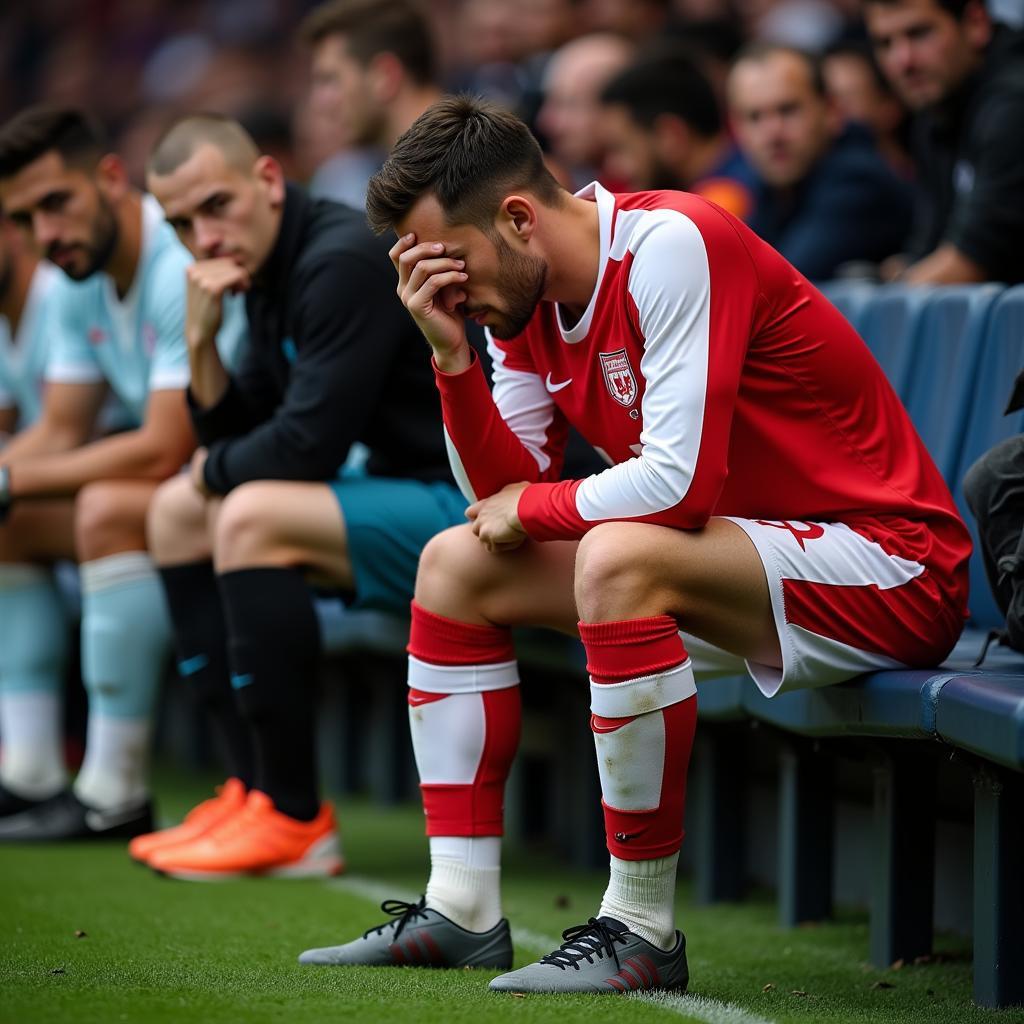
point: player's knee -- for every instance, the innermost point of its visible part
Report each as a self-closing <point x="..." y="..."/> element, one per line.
<point x="450" y="565"/>
<point x="247" y="528"/>
<point x="104" y="523"/>
<point x="176" y="522"/>
<point x="613" y="571"/>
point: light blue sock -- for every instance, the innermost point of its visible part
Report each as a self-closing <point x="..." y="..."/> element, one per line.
<point x="126" y="638"/>
<point x="33" y="656"/>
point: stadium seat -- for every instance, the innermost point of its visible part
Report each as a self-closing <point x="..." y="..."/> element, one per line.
<point x="939" y="389"/>
<point x="851" y="298"/>
<point x="888" y="324"/>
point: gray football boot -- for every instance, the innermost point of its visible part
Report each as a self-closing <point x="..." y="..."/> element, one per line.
<point x="419" y="937"/>
<point x="601" y="956"/>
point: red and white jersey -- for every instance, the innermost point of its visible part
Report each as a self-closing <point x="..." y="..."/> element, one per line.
<point x="715" y="380"/>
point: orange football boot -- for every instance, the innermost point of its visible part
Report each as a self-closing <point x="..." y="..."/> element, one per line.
<point x="257" y="840"/>
<point x="229" y="800"/>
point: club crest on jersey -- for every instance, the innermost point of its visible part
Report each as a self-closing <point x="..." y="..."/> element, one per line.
<point x="619" y="377"/>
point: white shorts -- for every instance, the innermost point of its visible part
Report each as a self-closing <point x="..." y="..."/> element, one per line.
<point x="843" y="605"/>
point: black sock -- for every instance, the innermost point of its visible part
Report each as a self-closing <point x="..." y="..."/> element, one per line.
<point x="274" y="650"/>
<point x="200" y="640"/>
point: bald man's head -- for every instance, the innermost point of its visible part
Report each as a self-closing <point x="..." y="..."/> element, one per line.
<point x="575" y="77"/>
<point x="222" y="197"/>
<point x="184" y="137"/>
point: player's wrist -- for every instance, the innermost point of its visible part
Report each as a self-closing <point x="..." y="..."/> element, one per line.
<point x="452" y="361"/>
<point x="199" y="337"/>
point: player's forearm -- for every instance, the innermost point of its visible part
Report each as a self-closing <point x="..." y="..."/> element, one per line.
<point x="130" y="456"/>
<point x="946" y="265"/>
<point x="483" y="448"/>
<point x="40" y="439"/>
<point x="209" y="379"/>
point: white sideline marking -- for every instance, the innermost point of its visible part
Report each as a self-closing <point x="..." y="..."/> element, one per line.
<point x="710" y="1011"/>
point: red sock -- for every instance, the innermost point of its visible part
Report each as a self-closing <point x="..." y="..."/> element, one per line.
<point x="464" y="715"/>
<point x="644" y="716"/>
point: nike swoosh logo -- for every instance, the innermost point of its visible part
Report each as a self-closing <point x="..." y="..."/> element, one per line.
<point x="190" y="666"/>
<point x="553" y="387"/>
<point x="415" y="700"/>
<point x="99" y="821"/>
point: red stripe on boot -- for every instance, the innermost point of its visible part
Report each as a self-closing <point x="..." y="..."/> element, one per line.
<point x="442" y="641"/>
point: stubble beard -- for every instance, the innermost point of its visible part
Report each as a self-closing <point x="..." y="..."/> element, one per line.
<point x="524" y="280"/>
<point x="102" y="242"/>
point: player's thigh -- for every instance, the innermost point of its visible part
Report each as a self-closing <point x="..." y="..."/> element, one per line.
<point x="282" y="523"/>
<point x="176" y="523"/>
<point x="389" y="522"/>
<point x="110" y="517"/>
<point x="38" y="531"/>
<point x="712" y="580"/>
<point x="531" y="585"/>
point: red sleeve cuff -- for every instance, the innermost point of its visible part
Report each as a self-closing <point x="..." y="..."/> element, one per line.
<point x="547" y="511"/>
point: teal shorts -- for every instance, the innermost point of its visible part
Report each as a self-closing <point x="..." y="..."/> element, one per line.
<point x="388" y="522"/>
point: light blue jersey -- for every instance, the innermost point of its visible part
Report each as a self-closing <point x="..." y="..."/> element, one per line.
<point x="135" y="344"/>
<point x="23" y="355"/>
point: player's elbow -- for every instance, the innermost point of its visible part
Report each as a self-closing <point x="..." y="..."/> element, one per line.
<point x="680" y="500"/>
<point x="160" y="461"/>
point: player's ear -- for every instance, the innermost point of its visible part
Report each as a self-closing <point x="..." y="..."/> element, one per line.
<point x="270" y="175"/>
<point x="518" y="216"/>
<point x="111" y="178"/>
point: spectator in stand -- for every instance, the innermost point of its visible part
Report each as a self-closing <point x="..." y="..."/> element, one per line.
<point x="963" y="76"/>
<point x="663" y="130"/>
<point x="571" y="115"/>
<point x="374" y="72"/>
<point x="825" y="197"/>
<point x="639" y="20"/>
<point x="863" y="95"/>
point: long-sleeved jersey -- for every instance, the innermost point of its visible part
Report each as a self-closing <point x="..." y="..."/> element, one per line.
<point x="715" y="379"/>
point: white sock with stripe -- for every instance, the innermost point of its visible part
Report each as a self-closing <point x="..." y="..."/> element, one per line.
<point x="641" y="894"/>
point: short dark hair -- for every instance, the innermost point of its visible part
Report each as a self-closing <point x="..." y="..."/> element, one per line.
<point x="954" y="7"/>
<point x="671" y="82"/>
<point x="184" y="136"/>
<point x="758" y="52"/>
<point x="862" y="50"/>
<point x="377" y="26"/>
<point x="76" y="135"/>
<point x="467" y="152"/>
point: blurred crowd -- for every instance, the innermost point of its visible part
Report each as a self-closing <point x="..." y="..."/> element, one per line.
<point x="670" y="122"/>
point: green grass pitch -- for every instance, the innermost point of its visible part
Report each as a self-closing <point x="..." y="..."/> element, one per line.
<point x="161" y="951"/>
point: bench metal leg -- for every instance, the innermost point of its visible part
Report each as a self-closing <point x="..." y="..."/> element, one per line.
<point x="388" y="746"/>
<point x="716" y="814"/>
<point x="903" y="888"/>
<point x="340" y="714"/>
<point x="576" y="797"/>
<point x="805" y="835"/>
<point x="998" y="888"/>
